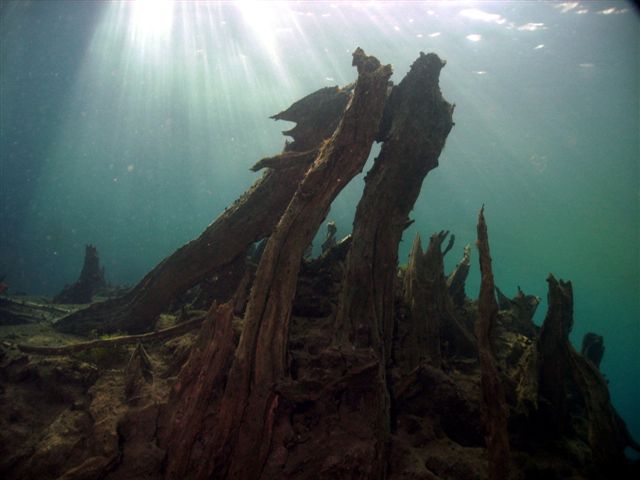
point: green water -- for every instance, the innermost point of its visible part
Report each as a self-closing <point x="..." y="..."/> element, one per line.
<point x="132" y="125"/>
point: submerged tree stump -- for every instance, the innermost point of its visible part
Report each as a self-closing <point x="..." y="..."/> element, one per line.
<point x="90" y="281"/>
<point x="493" y="397"/>
<point x="415" y="125"/>
<point x="244" y="435"/>
<point x="251" y="218"/>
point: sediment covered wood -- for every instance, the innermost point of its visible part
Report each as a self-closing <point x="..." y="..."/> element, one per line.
<point x="252" y="217"/>
<point x="495" y="409"/>
<point x="244" y="436"/>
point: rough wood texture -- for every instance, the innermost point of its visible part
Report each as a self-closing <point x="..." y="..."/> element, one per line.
<point x="252" y="217"/>
<point x="190" y="420"/>
<point x="244" y="435"/>
<point x="573" y="395"/>
<point x="457" y="278"/>
<point x="415" y="126"/>
<point x="138" y="373"/>
<point x="493" y="398"/>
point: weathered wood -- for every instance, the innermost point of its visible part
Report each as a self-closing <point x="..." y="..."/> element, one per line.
<point x="430" y="328"/>
<point x="286" y="160"/>
<point x="15" y="311"/>
<point x="458" y="277"/>
<point x="90" y="280"/>
<point x="422" y="330"/>
<point x="592" y="348"/>
<point x="252" y="217"/>
<point x="138" y="373"/>
<point x="555" y="353"/>
<point x="415" y="125"/>
<point x="164" y="334"/>
<point x="573" y="396"/>
<point x="330" y="238"/>
<point x="190" y="420"/>
<point x="495" y="409"/>
<point x="244" y="435"/>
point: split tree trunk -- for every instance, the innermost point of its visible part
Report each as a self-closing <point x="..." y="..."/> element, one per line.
<point x="252" y="217"/>
<point x="493" y="398"/>
<point x="415" y="126"/>
<point x="244" y="434"/>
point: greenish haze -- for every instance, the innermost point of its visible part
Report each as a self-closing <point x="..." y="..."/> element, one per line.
<point x="132" y="128"/>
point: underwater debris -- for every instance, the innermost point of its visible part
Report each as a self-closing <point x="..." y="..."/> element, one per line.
<point x="3" y="285"/>
<point x="251" y="218"/>
<point x="458" y="277"/>
<point x="494" y="406"/>
<point x="90" y="281"/>
<point x="341" y="367"/>
<point x="592" y="348"/>
<point x="330" y="238"/>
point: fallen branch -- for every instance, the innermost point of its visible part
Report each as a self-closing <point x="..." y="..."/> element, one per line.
<point x="170" y="332"/>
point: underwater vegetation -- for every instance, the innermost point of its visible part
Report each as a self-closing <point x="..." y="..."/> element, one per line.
<point x="239" y="357"/>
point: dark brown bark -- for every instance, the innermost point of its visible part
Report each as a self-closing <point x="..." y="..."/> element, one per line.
<point x="244" y="434"/>
<point x="493" y="398"/>
<point x="252" y="217"/>
<point x="415" y="126"/>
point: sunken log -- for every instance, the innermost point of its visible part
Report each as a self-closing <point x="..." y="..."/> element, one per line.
<point x="414" y="128"/>
<point x="245" y="433"/>
<point x="251" y="218"/>
<point x="495" y="410"/>
<point x="90" y="281"/>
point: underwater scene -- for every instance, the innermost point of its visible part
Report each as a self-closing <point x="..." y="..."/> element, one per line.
<point x="319" y="239"/>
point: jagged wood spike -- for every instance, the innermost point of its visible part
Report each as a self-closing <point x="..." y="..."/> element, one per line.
<point x="495" y="409"/>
